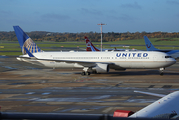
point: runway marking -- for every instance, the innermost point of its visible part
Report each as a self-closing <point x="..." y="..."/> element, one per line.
<point x="73" y="99"/>
<point x="45" y="93"/>
<point x="156" y="89"/>
<point x="101" y="97"/>
<point x="30" y="93"/>
<point x="140" y="100"/>
<point x="107" y="109"/>
<point x="61" y="100"/>
<point x="34" y="99"/>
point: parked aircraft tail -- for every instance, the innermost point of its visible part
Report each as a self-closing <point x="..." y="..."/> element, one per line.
<point x="25" y="41"/>
<point x="149" y="45"/>
<point x="90" y="46"/>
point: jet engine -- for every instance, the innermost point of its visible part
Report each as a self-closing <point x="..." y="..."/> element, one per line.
<point x="101" y="68"/>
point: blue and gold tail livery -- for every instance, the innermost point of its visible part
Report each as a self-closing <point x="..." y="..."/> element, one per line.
<point x="25" y="41"/>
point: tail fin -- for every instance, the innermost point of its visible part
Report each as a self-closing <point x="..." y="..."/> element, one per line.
<point x="28" y="52"/>
<point x="25" y="41"/>
<point x="149" y="45"/>
<point x="90" y="46"/>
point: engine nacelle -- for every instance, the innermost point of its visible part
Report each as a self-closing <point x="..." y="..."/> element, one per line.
<point x="101" y="68"/>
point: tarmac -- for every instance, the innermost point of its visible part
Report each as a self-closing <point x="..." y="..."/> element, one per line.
<point x="30" y="88"/>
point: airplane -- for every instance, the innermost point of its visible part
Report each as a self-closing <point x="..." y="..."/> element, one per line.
<point x="167" y="105"/>
<point x="91" y="47"/>
<point x="100" y="62"/>
<point x="150" y="47"/>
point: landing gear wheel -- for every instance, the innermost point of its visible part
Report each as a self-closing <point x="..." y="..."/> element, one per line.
<point x="83" y="73"/>
<point x="161" y="71"/>
<point x="88" y="73"/>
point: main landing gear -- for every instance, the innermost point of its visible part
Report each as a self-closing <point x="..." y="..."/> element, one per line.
<point x="85" y="71"/>
<point x="161" y="71"/>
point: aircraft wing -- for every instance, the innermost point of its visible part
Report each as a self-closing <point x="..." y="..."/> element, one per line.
<point x="166" y="105"/>
<point x="83" y="63"/>
<point x="152" y="94"/>
<point x="174" y="53"/>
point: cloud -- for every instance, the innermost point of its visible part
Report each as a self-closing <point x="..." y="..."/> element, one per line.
<point x="5" y="13"/>
<point x="123" y="17"/>
<point x="134" y="6"/>
<point x="173" y="2"/>
<point x="52" y="16"/>
<point x="91" y="11"/>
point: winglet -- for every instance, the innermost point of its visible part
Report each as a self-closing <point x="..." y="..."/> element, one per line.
<point x="149" y="45"/>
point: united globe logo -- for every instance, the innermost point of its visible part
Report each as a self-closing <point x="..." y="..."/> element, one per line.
<point x="31" y="46"/>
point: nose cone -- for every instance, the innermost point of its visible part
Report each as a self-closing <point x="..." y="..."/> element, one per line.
<point x="171" y="61"/>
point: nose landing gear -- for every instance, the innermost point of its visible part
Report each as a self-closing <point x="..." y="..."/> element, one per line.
<point x="85" y="71"/>
<point x="161" y="70"/>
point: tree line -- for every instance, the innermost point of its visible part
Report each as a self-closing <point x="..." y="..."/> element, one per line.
<point x="93" y="36"/>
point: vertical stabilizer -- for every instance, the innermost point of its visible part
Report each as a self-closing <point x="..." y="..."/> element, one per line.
<point x="149" y="45"/>
<point x="90" y="46"/>
<point x="25" y="41"/>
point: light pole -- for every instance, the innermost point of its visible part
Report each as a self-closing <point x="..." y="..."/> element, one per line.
<point x="101" y="34"/>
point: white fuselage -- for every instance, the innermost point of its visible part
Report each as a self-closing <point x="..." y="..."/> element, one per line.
<point x="124" y="59"/>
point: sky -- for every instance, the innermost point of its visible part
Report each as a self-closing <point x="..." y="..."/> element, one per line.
<point x="77" y="16"/>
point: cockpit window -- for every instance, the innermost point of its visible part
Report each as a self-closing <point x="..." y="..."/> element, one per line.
<point x="168" y="56"/>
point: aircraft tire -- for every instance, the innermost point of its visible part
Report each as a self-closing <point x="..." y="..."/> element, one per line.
<point x="161" y="73"/>
<point x="88" y="73"/>
<point x="83" y="73"/>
